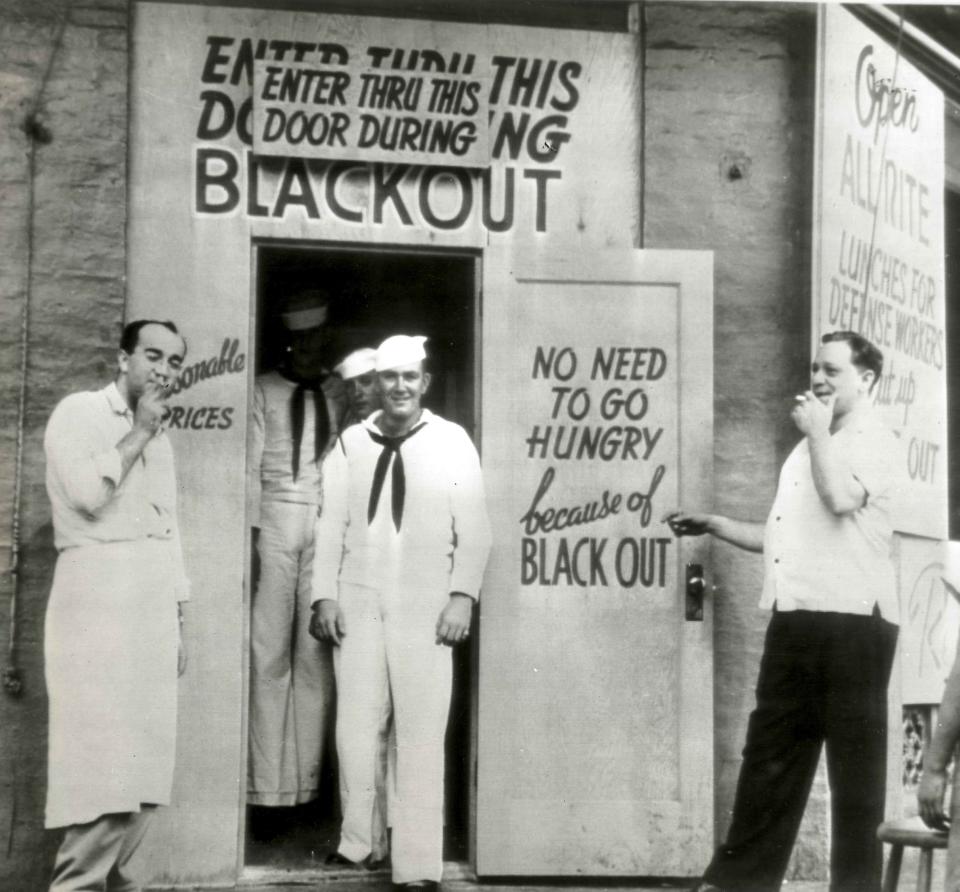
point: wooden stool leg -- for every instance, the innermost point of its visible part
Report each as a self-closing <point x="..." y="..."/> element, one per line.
<point x="925" y="871"/>
<point x="893" y="868"/>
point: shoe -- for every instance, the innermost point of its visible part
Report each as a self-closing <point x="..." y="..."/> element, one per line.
<point x="704" y="886"/>
<point x="371" y="863"/>
<point x="335" y="859"/>
<point x="418" y="886"/>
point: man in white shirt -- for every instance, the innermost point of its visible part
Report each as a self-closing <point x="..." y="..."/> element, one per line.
<point x="112" y="636"/>
<point x="298" y="410"/>
<point x="402" y="543"/>
<point x="829" y="580"/>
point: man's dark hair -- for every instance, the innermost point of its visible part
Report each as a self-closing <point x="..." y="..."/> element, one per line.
<point x="863" y="354"/>
<point x="131" y="333"/>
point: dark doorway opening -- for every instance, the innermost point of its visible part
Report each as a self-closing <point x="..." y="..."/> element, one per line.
<point x="375" y="293"/>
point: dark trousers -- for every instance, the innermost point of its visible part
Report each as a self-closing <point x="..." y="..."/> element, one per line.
<point x="823" y="679"/>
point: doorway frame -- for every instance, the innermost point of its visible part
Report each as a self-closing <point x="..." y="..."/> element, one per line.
<point x="476" y="257"/>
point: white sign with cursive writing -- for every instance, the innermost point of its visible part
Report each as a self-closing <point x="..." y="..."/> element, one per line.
<point x="878" y="241"/>
<point x="597" y="414"/>
<point x="929" y="616"/>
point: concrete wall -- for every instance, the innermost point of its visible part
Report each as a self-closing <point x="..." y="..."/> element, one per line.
<point x="727" y="165"/>
<point x="69" y="60"/>
<point x="728" y="140"/>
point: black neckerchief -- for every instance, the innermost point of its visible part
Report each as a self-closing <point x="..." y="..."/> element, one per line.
<point x="321" y="418"/>
<point x="390" y="446"/>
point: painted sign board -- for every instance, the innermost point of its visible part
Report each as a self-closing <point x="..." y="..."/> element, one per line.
<point x="595" y="710"/>
<point x="378" y="103"/>
<point x="202" y="201"/>
<point x="879" y="241"/>
<point x="363" y="125"/>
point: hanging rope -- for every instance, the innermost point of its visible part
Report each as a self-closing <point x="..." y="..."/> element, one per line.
<point x="37" y="134"/>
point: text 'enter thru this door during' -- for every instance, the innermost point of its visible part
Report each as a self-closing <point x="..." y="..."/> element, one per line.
<point x="595" y="724"/>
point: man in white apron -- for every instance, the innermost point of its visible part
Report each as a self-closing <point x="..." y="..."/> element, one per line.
<point x="401" y="547"/>
<point x="298" y="410"/>
<point x="112" y="636"/>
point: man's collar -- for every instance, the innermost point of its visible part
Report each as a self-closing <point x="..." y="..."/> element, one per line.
<point x="370" y="422"/>
<point x="116" y="402"/>
<point x="863" y="417"/>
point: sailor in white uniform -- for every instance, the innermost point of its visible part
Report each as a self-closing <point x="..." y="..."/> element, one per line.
<point x="358" y="371"/>
<point x="401" y="546"/>
<point x="298" y="411"/>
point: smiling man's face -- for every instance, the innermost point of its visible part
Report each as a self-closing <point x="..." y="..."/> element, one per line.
<point x="833" y="373"/>
<point x="401" y="390"/>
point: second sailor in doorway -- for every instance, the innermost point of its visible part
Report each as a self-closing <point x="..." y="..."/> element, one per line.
<point x="401" y="547"/>
<point x="298" y="411"/>
<point x="358" y="371"/>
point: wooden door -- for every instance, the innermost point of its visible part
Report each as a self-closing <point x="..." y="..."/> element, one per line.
<point x="595" y="717"/>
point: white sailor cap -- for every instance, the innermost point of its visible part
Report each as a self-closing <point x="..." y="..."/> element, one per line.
<point x="360" y="362"/>
<point x="305" y="310"/>
<point x="398" y="350"/>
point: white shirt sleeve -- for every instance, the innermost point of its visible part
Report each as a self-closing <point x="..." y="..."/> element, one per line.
<point x="73" y="443"/>
<point x="331" y="525"/>
<point x="877" y="462"/>
<point x="255" y="440"/>
<point x="471" y="525"/>
<point x="181" y="582"/>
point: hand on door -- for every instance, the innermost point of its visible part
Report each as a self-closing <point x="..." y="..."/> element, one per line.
<point x="745" y="534"/>
<point x="683" y="523"/>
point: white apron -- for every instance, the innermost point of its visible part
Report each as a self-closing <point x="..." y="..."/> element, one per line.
<point x="111" y="669"/>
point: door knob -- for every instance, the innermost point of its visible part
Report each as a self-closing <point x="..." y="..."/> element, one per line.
<point x="696" y="586"/>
